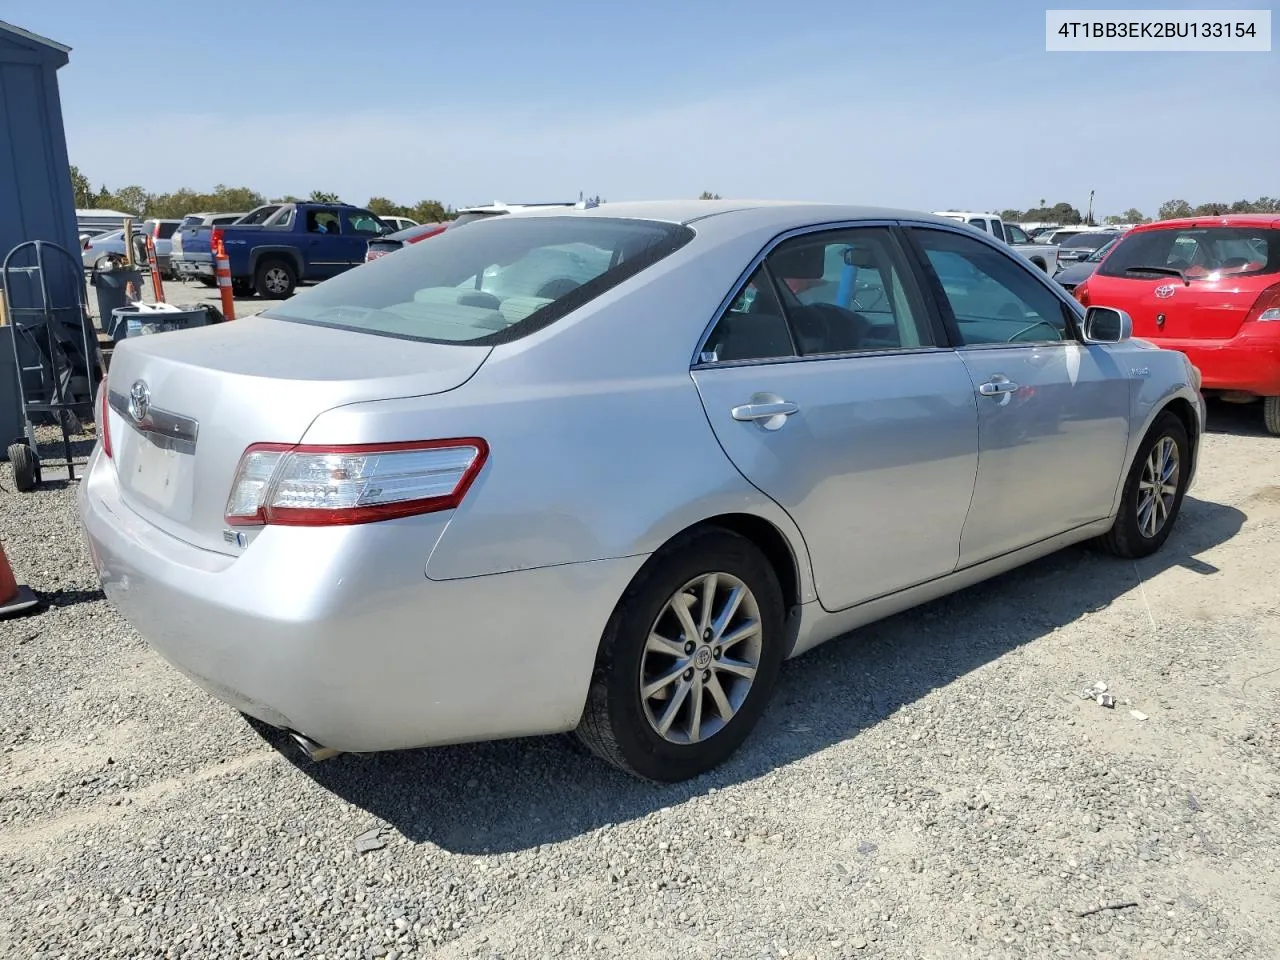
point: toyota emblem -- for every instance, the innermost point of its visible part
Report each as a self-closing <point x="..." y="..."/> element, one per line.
<point x="1165" y="291"/>
<point x="139" y="401"/>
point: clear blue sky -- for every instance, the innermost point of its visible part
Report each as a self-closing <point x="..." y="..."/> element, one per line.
<point x="915" y="103"/>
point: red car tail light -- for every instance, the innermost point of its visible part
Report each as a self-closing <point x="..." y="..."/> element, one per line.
<point x="104" y="424"/>
<point x="215" y="240"/>
<point x="1081" y="293"/>
<point x="320" y="486"/>
<point x="1267" y="306"/>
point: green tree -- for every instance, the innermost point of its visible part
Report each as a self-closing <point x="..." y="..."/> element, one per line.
<point x="131" y="199"/>
<point x="385" y="207"/>
<point x="81" y="188"/>
<point x="1134" y="215"/>
<point x="323" y="196"/>
<point x="1213" y="209"/>
<point x="1010" y="215"/>
<point x="708" y="195"/>
<point x="1173" y="209"/>
<point x="226" y="199"/>
<point x="430" y="211"/>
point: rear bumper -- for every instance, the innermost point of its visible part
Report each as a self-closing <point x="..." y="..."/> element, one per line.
<point x="338" y="634"/>
<point x="186" y="267"/>
<point x="1249" y="362"/>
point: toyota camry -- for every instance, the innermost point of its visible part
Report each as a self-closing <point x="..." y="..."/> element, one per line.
<point x="604" y="470"/>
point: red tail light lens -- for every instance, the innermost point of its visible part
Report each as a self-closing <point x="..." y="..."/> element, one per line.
<point x="1081" y="293"/>
<point x="320" y="486"/>
<point x="215" y="240"/>
<point x="104" y="423"/>
<point x="1267" y="306"/>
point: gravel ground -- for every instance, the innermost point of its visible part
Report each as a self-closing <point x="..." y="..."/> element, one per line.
<point x="930" y="788"/>
<point x="182" y="294"/>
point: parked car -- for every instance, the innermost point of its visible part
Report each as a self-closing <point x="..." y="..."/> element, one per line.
<point x="1079" y="246"/>
<point x="381" y="246"/>
<point x="1210" y="288"/>
<point x="275" y="247"/>
<point x="1043" y="256"/>
<point x="97" y="249"/>
<point x="398" y="223"/>
<point x="1072" y="275"/>
<point x="197" y="264"/>
<point x="605" y="470"/>
<point x="1057" y="236"/>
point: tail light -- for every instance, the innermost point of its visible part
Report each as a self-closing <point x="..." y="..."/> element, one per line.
<point x="104" y="423"/>
<point x="1267" y="306"/>
<point x="215" y="240"/>
<point x="1081" y="293"/>
<point x="318" y="486"/>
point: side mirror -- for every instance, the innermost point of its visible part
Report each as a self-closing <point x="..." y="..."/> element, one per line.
<point x="1106" y="325"/>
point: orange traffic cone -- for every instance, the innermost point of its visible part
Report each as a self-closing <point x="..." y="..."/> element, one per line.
<point x="14" y="598"/>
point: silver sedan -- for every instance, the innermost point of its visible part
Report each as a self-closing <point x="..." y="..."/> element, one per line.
<point x="606" y="469"/>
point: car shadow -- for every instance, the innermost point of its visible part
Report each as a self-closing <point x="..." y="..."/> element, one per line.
<point x="1235" y="419"/>
<point x="517" y="794"/>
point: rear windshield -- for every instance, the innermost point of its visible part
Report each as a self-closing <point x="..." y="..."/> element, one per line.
<point x="1201" y="253"/>
<point x="191" y="220"/>
<point x="1086" y="241"/>
<point x="167" y="229"/>
<point x="494" y="282"/>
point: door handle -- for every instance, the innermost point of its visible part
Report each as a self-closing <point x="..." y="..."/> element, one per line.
<point x="764" y="411"/>
<point x="997" y="386"/>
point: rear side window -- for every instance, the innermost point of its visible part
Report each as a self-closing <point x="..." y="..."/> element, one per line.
<point x="1201" y="253"/>
<point x="261" y="215"/>
<point x="496" y="282"/>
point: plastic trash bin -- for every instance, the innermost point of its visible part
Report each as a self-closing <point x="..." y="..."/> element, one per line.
<point x="135" y="322"/>
<point x="110" y="287"/>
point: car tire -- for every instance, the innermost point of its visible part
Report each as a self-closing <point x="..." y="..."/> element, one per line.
<point x="621" y="724"/>
<point x="1271" y="414"/>
<point x="275" y="279"/>
<point x="242" y="287"/>
<point x="1135" y="534"/>
<point x="26" y="467"/>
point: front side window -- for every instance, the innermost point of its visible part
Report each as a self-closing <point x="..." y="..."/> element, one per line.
<point x="993" y="297"/>
<point x="1016" y="234"/>
<point x="364" y="223"/>
<point x="494" y="283"/>
<point x="1201" y="253"/>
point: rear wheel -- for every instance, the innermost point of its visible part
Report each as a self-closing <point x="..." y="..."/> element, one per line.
<point x="242" y="287"/>
<point x="26" y="468"/>
<point x="275" y="280"/>
<point x="1153" y="491"/>
<point x="688" y="659"/>
<point x="1271" y="414"/>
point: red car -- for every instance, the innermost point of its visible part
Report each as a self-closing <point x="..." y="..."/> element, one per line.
<point x="1209" y="287"/>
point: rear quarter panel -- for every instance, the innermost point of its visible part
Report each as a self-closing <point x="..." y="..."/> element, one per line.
<point x="599" y="446"/>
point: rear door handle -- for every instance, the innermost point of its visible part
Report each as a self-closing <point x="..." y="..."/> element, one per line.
<point x="997" y="386"/>
<point x="764" y="411"/>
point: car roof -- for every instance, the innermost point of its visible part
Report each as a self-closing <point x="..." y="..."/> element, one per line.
<point x="1222" y="220"/>
<point x="782" y="214"/>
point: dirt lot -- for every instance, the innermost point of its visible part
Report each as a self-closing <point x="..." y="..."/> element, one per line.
<point x="930" y="788"/>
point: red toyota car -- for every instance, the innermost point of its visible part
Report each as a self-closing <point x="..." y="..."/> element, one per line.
<point x="1209" y="287"/>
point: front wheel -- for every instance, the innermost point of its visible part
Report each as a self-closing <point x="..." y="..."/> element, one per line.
<point x="688" y="659"/>
<point x="1153" y="491"/>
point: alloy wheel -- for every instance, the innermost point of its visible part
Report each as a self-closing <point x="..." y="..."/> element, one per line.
<point x="700" y="658"/>
<point x="1158" y="487"/>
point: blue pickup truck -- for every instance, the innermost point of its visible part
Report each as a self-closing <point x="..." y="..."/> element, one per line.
<point x="275" y="247"/>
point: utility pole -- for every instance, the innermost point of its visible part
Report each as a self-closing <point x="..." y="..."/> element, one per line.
<point x="1088" y="217"/>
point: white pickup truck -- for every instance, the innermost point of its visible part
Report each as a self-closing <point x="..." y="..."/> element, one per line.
<point x="1043" y="255"/>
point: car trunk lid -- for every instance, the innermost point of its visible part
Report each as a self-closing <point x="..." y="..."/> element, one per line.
<point x="186" y="404"/>
<point x="1163" y="307"/>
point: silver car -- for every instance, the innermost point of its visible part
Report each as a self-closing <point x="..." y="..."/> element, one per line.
<point x="606" y="469"/>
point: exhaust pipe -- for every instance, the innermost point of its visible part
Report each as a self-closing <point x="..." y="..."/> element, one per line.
<point x="314" y="751"/>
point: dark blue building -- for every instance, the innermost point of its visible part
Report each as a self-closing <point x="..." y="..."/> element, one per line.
<point x="36" y="200"/>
